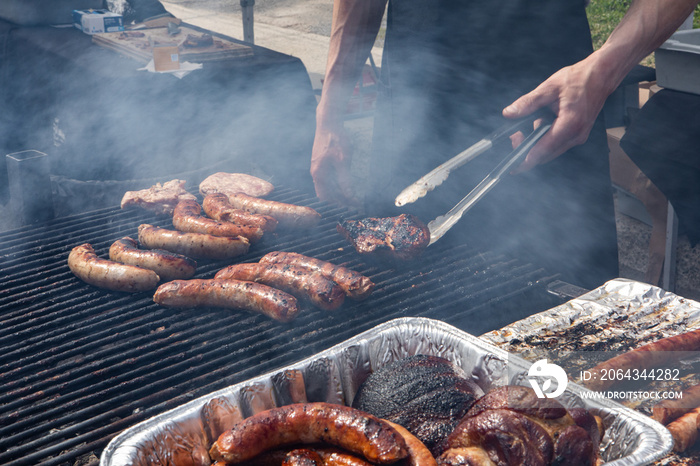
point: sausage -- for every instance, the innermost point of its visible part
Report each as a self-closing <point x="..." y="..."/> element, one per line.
<point x="297" y="281"/>
<point x="287" y="215"/>
<point x="195" y="245"/>
<point x="342" y="426"/>
<point x="649" y="356"/>
<point x="218" y="207"/>
<point x="667" y="410"/>
<point x="684" y="430"/>
<point x="418" y="453"/>
<point x="85" y="264"/>
<point x="302" y="457"/>
<point x="168" y="265"/>
<point x="228" y="294"/>
<point x="187" y="218"/>
<point x="330" y="456"/>
<point x="354" y="284"/>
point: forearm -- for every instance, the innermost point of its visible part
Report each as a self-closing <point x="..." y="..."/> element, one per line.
<point x="353" y="32"/>
<point x="647" y="24"/>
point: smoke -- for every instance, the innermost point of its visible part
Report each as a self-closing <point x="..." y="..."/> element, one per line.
<point x="108" y="127"/>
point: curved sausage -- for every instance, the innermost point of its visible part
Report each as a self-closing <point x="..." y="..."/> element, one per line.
<point x="354" y="284"/>
<point x="649" y="356"/>
<point x="187" y="217"/>
<point x="684" y="430"/>
<point x="302" y="457"/>
<point x="218" y="207"/>
<point x="287" y="215"/>
<point x="228" y="294"/>
<point x="85" y="264"/>
<point x="418" y="453"/>
<point x="168" y="265"/>
<point x="300" y="282"/>
<point x="667" y="410"/>
<point x="195" y="245"/>
<point x="342" y="426"/>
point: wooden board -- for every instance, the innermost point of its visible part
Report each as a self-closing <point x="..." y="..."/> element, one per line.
<point x="137" y="44"/>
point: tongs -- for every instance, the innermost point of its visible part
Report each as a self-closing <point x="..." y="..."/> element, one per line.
<point x="436" y="177"/>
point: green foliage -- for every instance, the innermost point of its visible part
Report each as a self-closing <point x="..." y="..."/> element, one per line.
<point x="604" y="15"/>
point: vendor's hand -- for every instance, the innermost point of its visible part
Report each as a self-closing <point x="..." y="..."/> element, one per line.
<point x="576" y="95"/>
<point x="330" y="167"/>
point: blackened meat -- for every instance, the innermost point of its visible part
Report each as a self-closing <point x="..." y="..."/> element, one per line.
<point x="403" y="237"/>
<point x="425" y="394"/>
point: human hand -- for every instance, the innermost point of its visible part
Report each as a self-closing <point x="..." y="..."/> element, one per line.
<point x="330" y="167"/>
<point x="576" y="94"/>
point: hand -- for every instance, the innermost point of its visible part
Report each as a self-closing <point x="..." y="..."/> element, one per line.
<point x="330" y="167"/>
<point x="576" y="94"/>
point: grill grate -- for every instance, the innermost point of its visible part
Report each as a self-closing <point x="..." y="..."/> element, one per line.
<point x="80" y="364"/>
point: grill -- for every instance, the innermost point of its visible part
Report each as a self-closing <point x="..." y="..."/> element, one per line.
<point x="80" y="364"/>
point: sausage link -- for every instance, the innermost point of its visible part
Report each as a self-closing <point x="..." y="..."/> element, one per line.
<point x="85" y="264"/>
<point x="418" y="453"/>
<point x="298" y="281"/>
<point x="649" y="356"/>
<point x="218" y="207"/>
<point x="354" y="284"/>
<point x="187" y="217"/>
<point x="168" y="265"/>
<point x="228" y="294"/>
<point x="287" y="215"/>
<point x="302" y="457"/>
<point x="195" y="245"/>
<point x="342" y="426"/>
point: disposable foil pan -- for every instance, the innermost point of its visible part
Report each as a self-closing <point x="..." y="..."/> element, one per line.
<point x="334" y="376"/>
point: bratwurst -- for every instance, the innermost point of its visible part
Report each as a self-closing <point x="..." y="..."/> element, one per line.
<point x="187" y="217"/>
<point x="195" y="245"/>
<point x="342" y="426"/>
<point x="287" y="215"/>
<point x="90" y="268"/>
<point x="218" y="207"/>
<point x="354" y="284"/>
<point x="168" y="265"/>
<point x="228" y="294"/>
<point x="297" y="281"/>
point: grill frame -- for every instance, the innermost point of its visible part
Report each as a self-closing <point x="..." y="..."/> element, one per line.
<point x="81" y="364"/>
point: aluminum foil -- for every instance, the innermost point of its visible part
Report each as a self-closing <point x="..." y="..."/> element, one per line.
<point x="335" y="375"/>
<point x="620" y="313"/>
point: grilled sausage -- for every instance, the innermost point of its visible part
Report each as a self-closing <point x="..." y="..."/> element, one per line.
<point x="288" y="215"/>
<point x="168" y="265"/>
<point x="302" y="457"/>
<point x="354" y="284"/>
<point x="684" y="430"/>
<point x="667" y="410"/>
<point x="418" y="453"/>
<point x="195" y="245"/>
<point x="85" y="264"/>
<point x="338" y="425"/>
<point x="228" y="294"/>
<point x="187" y="217"/>
<point x="218" y="207"/>
<point x="298" y="281"/>
<point x="649" y="356"/>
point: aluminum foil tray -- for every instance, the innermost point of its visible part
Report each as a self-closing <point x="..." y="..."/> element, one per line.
<point x="335" y="374"/>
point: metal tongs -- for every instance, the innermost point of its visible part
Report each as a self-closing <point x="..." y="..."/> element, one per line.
<point x="436" y="177"/>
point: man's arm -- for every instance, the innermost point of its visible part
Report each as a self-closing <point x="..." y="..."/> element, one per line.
<point x="577" y="93"/>
<point x="353" y="32"/>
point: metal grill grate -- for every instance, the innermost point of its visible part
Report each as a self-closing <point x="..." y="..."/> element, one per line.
<point x="80" y="364"/>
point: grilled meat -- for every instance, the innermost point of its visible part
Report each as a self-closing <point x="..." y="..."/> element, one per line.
<point x="512" y="426"/>
<point x="160" y="198"/>
<point x="425" y="394"/>
<point x="403" y="237"/>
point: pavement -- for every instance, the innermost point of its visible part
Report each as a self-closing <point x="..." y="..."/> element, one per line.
<point x="300" y="28"/>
